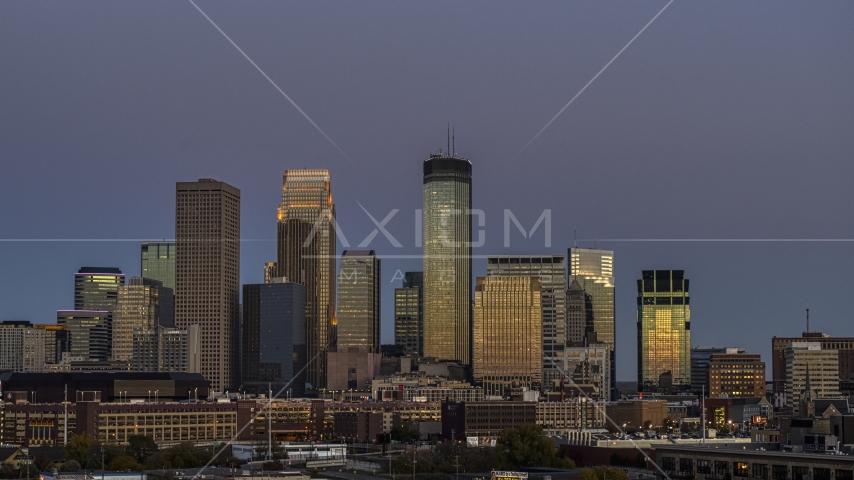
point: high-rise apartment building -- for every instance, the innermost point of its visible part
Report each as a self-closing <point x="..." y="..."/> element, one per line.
<point x="274" y="349"/>
<point x="359" y="301"/>
<point x="809" y="359"/>
<point x="207" y="274"/>
<point x="508" y="326"/>
<point x="844" y="347"/>
<point x="447" y="258"/>
<point x="166" y="349"/>
<point x="664" y="331"/>
<point x="736" y="375"/>
<point x="158" y="262"/>
<point x="700" y="357"/>
<point x="270" y="271"/>
<point x="88" y="333"/>
<point x="409" y="314"/>
<point x="306" y="255"/>
<point x="143" y="304"/>
<point x="34" y="350"/>
<point x="551" y="271"/>
<point x="12" y="344"/>
<point x="594" y="271"/>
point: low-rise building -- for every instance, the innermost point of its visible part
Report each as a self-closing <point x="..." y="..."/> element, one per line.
<point x="638" y="414"/>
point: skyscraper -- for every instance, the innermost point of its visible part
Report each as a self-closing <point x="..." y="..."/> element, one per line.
<point x="447" y="258"/>
<point x="207" y="274"/>
<point x="594" y="270"/>
<point x="274" y="347"/>
<point x="579" y="314"/>
<point x="664" y="331"/>
<point x="306" y="255"/>
<point x="143" y="304"/>
<point x="551" y="271"/>
<point x="158" y="262"/>
<point x="359" y="301"/>
<point x="88" y="333"/>
<point x="270" y="271"/>
<point x="508" y="325"/>
<point x="166" y="349"/>
<point x="409" y="314"/>
<point x="96" y="288"/>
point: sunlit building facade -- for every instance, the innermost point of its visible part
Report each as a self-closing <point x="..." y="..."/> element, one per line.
<point x="664" y="331"/>
<point x="158" y="262"/>
<point x="736" y="375"/>
<point x="447" y="258"/>
<point x="594" y="271"/>
<point x="508" y="342"/>
<point x="306" y="255"/>
<point x="409" y="314"/>
<point x="207" y="274"/>
<point x="144" y="304"/>
<point x="359" y="301"/>
<point x="551" y="271"/>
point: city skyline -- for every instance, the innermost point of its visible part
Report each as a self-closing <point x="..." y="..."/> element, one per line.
<point x="756" y="150"/>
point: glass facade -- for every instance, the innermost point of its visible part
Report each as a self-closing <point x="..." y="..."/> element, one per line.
<point x="447" y="259"/>
<point x="88" y="333"/>
<point x="594" y="271"/>
<point x="143" y="303"/>
<point x="274" y="348"/>
<point x="158" y="262"/>
<point x="306" y="255"/>
<point x="664" y="331"/>
<point x="508" y="341"/>
<point x="359" y="301"/>
<point x="97" y="288"/>
<point x="409" y="314"/>
<point x="551" y="271"/>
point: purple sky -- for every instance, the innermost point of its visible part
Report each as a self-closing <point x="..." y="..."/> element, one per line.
<point x="724" y="120"/>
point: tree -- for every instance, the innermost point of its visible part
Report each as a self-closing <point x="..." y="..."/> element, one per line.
<point x="603" y="473"/>
<point x="526" y="446"/>
<point x="141" y="447"/>
<point x="71" y="466"/>
<point x="78" y="448"/>
<point x="404" y="434"/>
<point x="647" y="424"/>
<point x="273" y="465"/>
<point x="123" y="463"/>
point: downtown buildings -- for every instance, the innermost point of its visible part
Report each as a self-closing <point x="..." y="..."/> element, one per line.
<point x="664" y="331"/>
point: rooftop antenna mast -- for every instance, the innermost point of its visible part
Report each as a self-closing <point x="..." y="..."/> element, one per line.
<point x="453" y="144"/>
<point x="808" y="320"/>
<point x="449" y="138"/>
<point x="575" y="238"/>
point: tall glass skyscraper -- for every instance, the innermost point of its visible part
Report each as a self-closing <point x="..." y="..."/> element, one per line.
<point x="88" y="333"/>
<point x="409" y="314"/>
<point x="359" y="301"/>
<point x="158" y="262"/>
<point x="96" y="288"/>
<point x="306" y="255"/>
<point x="447" y="258"/>
<point x="664" y="331"/>
<point x="143" y="304"/>
<point x="594" y="271"/>
<point x="551" y="271"/>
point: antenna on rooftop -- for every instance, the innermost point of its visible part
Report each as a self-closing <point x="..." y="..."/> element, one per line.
<point x="808" y="320"/>
<point x="453" y="144"/>
<point x="449" y="138"/>
<point x="575" y="238"/>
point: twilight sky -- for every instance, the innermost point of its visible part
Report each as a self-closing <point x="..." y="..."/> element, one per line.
<point x="723" y="120"/>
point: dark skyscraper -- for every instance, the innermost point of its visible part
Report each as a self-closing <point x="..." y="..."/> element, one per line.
<point x="274" y="349"/>
<point x="207" y="274"/>
<point x="306" y="255"/>
<point x="96" y="288"/>
<point x="409" y="314"/>
<point x="359" y="301"/>
<point x="158" y="262"/>
<point x="88" y="333"/>
<point x="447" y="258"/>
<point x="664" y="331"/>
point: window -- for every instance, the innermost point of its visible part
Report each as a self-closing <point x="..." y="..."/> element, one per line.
<point x="740" y="469"/>
<point x="686" y="465"/>
<point x="668" y="464"/>
<point x="760" y="470"/>
<point x="779" y="472"/>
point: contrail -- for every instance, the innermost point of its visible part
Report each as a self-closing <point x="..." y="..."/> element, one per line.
<point x="594" y="78"/>
<point x="272" y="82"/>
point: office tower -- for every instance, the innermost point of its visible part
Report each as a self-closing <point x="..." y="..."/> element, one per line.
<point x="158" y="262"/>
<point x="736" y="375"/>
<point x="34" y="350"/>
<point x="586" y="366"/>
<point x="306" y="255"/>
<point x="809" y="360"/>
<point x="447" y="258"/>
<point x="409" y="314"/>
<point x="96" y="288"/>
<point x="664" y="331"/>
<point x="579" y="315"/>
<point x="700" y="357"/>
<point x="55" y="342"/>
<point x="594" y="270"/>
<point x="207" y="274"/>
<point x="843" y="345"/>
<point x="88" y="333"/>
<point x="551" y="270"/>
<point x="166" y="349"/>
<point x="12" y="344"/>
<point x="274" y="349"/>
<point x="359" y="301"/>
<point x="143" y="303"/>
<point x="270" y="272"/>
<point x="508" y="326"/>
